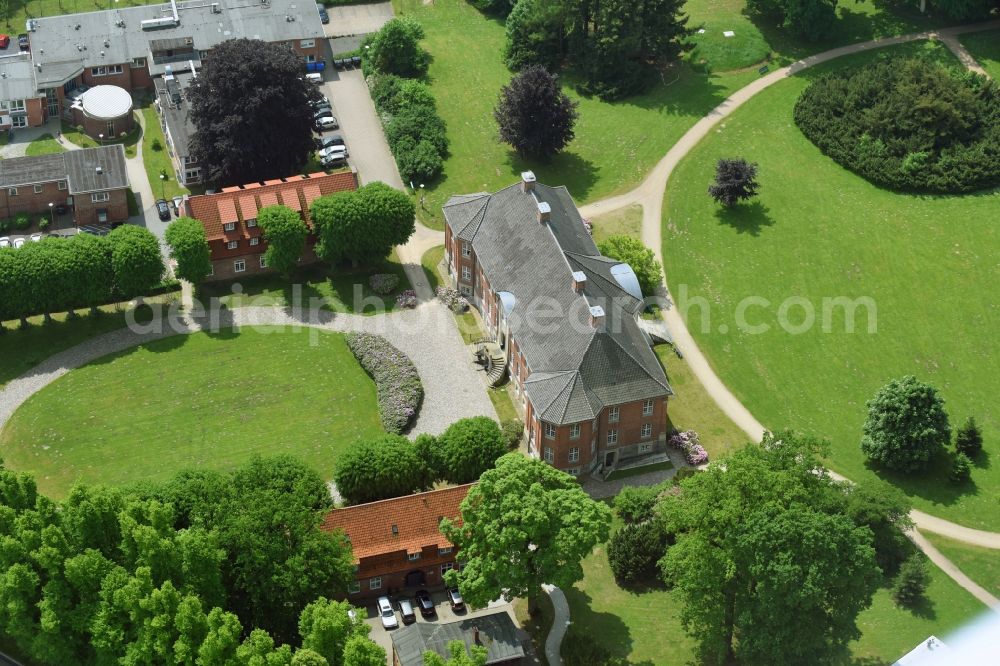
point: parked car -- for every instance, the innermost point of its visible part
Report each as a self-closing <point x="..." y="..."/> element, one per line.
<point x="324" y="17"/>
<point x="424" y="602"/>
<point x="333" y="161"/>
<point x="386" y="614"/>
<point x="331" y="140"/>
<point x="334" y="150"/>
<point x="18" y="242"/>
<point x="22" y="42"/>
<point x="406" y="610"/>
<point x="315" y="77"/>
<point x="36" y="238"/>
<point x="322" y="110"/>
<point x="4" y="241"/>
<point x="4" y="41"/>
<point x="455" y="597"/>
<point x="324" y="123"/>
<point x="322" y="101"/>
<point x="163" y="209"/>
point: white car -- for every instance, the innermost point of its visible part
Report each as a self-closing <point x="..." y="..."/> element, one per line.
<point x="334" y="151"/>
<point x="18" y="242"/>
<point x="36" y="237"/>
<point x="387" y="615"/>
<point x="5" y="241"/>
<point x="324" y="123"/>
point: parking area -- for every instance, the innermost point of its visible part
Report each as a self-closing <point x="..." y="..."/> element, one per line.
<point x="443" y="614"/>
<point x="357" y="19"/>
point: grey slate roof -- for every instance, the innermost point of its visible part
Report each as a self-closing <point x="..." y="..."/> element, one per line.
<point x="77" y="167"/>
<point x="178" y="116"/>
<point x="497" y="633"/>
<point x="71" y="42"/>
<point x="17" y="80"/>
<point x="576" y="369"/>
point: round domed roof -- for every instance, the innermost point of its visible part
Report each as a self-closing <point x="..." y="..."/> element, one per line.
<point x="106" y="102"/>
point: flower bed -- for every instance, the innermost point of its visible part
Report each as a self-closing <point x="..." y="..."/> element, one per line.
<point x="687" y="443"/>
<point x="383" y="283"/>
<point x="406" y="299"/>
<point x="396" y="380"/>
<point x="454" y="300"/>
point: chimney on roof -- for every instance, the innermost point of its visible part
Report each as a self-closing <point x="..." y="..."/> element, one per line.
<point x="596" y="316"/>
<point x="544" y="211"/>
<point x="579" y="281"/>
<point x="527" y="181"/>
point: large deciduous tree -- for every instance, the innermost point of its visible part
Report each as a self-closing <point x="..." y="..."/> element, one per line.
<point x="250" y="108"/>
<point x="285" y="232"/>
<point x="524" y="524"/>
<point x="458" y="656"/>
<point x="379" y="468"/>
<point x="362" y="226"/>
<point x="534" y="115"/>
<point x="325" y="627"/>
<point x="735" y="181"/>
<point x="136" y="262"/>
<point x="906" y="425"/>
<point x="811" y="19"/>
<point x="640" y="258"/>
<point x="189" y="248"/>
<point x="764" y="547"/>
<point x="395" y="48"/>
<point x="469" y="447"/>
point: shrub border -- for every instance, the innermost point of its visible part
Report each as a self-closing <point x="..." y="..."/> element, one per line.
<point x="397" y="383"/>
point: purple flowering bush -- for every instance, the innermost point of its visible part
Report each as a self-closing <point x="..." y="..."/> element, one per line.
<point x="406" y="299"/>
<point x="451" y="298"/>
<point x="687" y="442"/>
<point x="396" y="380"/>
<point x="383" y="283"/>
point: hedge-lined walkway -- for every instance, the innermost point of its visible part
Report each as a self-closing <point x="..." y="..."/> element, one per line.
<point x="452" y="387"/>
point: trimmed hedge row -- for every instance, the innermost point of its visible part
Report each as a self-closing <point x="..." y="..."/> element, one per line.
<point x="907" y="124"/>
<point x="396" y="380"/>
<point x="415" y="132"/>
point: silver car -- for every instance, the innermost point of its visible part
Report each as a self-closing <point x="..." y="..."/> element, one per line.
<point x="36" y="237"/>
<point x="386" y="613"/>
<point x="4" y="241"/>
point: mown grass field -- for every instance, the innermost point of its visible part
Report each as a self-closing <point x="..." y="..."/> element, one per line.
<point x="982" y="565"/>
<point x="45" y="144"/>
<point x="927" y="264"/>
<point x="209" y="401"/>
<point x="985" y="48"/>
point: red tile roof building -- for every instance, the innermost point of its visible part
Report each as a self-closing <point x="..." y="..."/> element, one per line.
<point x="397" y="542"/>
<point x="230" y="217"/>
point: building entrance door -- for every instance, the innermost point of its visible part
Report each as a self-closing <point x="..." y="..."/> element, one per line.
<point x="609" y="459"/>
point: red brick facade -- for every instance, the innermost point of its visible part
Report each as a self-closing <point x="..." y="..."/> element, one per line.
<point x="397" y="542"/>
<point x="85" y="210"/>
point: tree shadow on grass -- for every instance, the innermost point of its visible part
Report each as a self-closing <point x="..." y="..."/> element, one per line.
<point x="922" y="608"/>
<point x="932" y="485"/>
<point x="607" y="629"/>
<point x="746" y="218"/>
<point x="566" y="168"/>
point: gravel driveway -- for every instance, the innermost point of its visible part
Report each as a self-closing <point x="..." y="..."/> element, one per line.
<point x="453" y="388"/>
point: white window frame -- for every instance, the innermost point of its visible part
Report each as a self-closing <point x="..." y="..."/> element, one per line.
<point x="574" y="454"/>
<point x="100" y="197"/>
<point x="465" y="289"/>
<point x="255" y="240"/>
<point x="549" y="430"/>
<point x="375" y="583"/>
<point x="307" y="43"/>
<point x="239" y="266"/>
<point x="137" y="63"/>
<point x="229" y="226"/>
<point x="647" y="407"/>
<point x="444" y="551"/>
<point x="466" y="249"/>
<point x="574" y="471"/>
<point x="466" y="273"/>
<point x="413" y="557"/>
<point x="614" y="414"/>
<point x="12" y="191"/>
<point x="612" y="437"/>
<point x="447" y="566"/>
<point x="354" y="587"/>
<point x="39" y="189"/>
<point x="645" y="448"/>
<point x="232" y="245"/>
<point x="647" y="430"/>
<point x="99" y="71"/>
<point x="574" y="431"/>
<point x="61" y="184"/>
<point x="549" y="455"/>
<point x="263" y="261"/>
<point x="310" y="57"/>
<point x="211" y="269"/>
<point x="17" y="105"/>
<point x="251" y="222"/>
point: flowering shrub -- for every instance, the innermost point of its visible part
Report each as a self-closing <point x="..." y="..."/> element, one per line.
<point x="406" y="299"/>
<point x="687" y="443"/>
<point x="589" y="226"/>
<point x="383" y="283"/>
<point x="396" y="380"/>
<point x="450" y="297"/>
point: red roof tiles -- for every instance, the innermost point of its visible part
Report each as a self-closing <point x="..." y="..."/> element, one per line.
<point x="237" y="204"/>
<point x="403" y="523"/>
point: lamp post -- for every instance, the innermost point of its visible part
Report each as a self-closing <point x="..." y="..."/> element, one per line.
<point x="100" y="139"/>
<point x="52" y="213"/>
<point x="163" y="181"/>
<point x="422" y="196"/>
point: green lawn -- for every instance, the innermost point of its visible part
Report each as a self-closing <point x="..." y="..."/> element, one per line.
<point x="982" y="565"/>
<point x="537" y="626"/>
<point x="129" y="141"/>
<point x="158" y="162"/>
<point x="691" y="408"/>
<point x="712" y="49"/>
<point x="643" y="624"/>
<point x="817" y="232"/>
<point x="503" y="403"/>
<point x="467" y="323"/>
<point x="430" y="262"/>
<point x="45" y="144"/>
<point x="985" y="47"/>
<point x="627" y="221"/>
<point x="201" y="400"/>
<point x="342" y="290"/>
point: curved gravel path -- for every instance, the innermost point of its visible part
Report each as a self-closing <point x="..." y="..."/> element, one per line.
<point x="453" y="389"/>
<point x="560" y="624"/>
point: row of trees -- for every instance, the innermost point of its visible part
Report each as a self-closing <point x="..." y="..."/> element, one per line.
<point x="60" y="274"/>
<point x="612" y="45"/>
<point x="207" y="568"/>
<point x="391" y="466"/>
